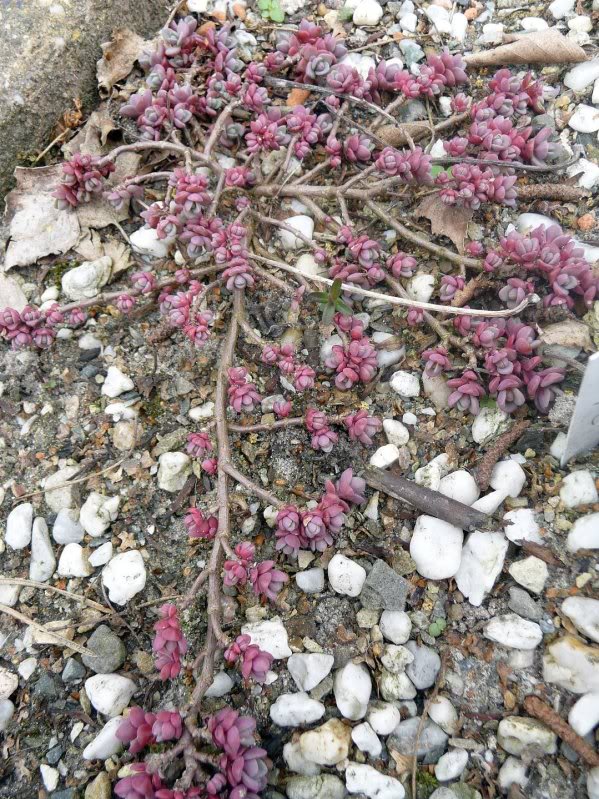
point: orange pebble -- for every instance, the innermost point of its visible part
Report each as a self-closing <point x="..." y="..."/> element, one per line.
<point x="586" y="222"/>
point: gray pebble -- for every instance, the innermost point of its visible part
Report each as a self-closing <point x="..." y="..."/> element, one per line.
<point x="523" y="604"/>
<point x="384" y="588"/>
<point x="53" y="755"/>
<point x="431" y="745"/>
<point x="46" y="687"/>
<point x="110" y="651"/>
<point x="73" y="671"/>
<point x="423" y="670"/>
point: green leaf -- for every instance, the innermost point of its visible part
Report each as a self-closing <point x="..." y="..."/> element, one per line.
<point x="276" y="13"/>
<point x="343" y="307"/>
<point x="335" y="292"/>
<point x="327" y="314"/>
<point x="436" y="169"/>
<point x="346" y="13"/>
<point x="264" y="5"/>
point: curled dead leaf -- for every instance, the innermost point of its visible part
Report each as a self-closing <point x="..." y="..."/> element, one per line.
<point x="118" y="58"/>
<point x="403" y="763"/>
<point x="93" y="136"/>
<point x="446" y="220"/>
<point x="541" y="47"/>
<point x="91" y="247"/>
<point x="395" y="135"/>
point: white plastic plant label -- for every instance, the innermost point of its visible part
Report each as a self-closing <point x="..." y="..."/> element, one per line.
<point x="583" y="433"/>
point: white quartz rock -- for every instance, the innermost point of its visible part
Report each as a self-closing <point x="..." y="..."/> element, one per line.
<point x="405" y="384"/>
<point x="522" y="526"/>
<point x="221" y="685"/>
<point x="587" y="171"/>
<point x="145" y="241"/>
<point x="584" y="714"/>
<point x="368" y="13"/>
<point x="109" y="693"/>
<point x="19" y="525"/>
<point x="443" y="713"/>
<point x="105" y="744"/>
<point x="124" y="576"/>
<point x="459" y="26"/>
<point x="302" y="224"/>
<point x="421" y="287"/>
<point x="311" y="581"/>
<point x="101" y="555"/>
<point x="328" y="744"/>
<point x="43" y="562"/>
<point x="56" y="493"/>
<point x="429" y="476"/>
<point x="308" y="670"/>
<point x="396" y="658"/>
<point x="512" y="771"/>
<point x="173" y="470"/>
<point x="385" y="456"/>
<point x="383" y="717"/>
<point x="395" y="687"/>
<point x="9" y="682"/>
<point x="583" y="612"/>
<point x="572" y="664"/>
<point x="352" y="687"/>
<point x="582" y="75"/>
<point x="387" y="357"/>
<point x="395" y="626"/>
<point x="488" y="424"/>
<point x="561" y="8"/>
<point x="296" y="762"/>
<point x="490" y="502"/>
<point x="533" y="24"/>
<point x="516" y="734"/>
<point x="514" y="632"/>
<point x="396" y="432"/>
<point x="439" y="17"/>
<point x="436" y="548"/>
<point x="7" y="710"/>
<point x="585" y="119"/>
<point x="270" y="635"/>
<point x="97" y="513"/>
<point x="584" y="533"/>
<point x="531" y="573"/>
<point x="346" y="576"/>
<point x="363" y="779"/>
<point x="451" y="764"/>
<point x="85" y="281"/>
<point x="578" y="488"/>
<point x="366" y="739"/>
<point x="116" y="383"/>
<point x="291" y="710"/>
<point x="308" y="265"/>
<point x="508" y="476"/>
<point x="50" y="777"/>
<point x="66" y="529"/>
<point x="73" y="562"/>
<point x="460" y="486"/>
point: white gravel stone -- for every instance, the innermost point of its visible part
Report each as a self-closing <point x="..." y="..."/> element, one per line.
<point x="395" y="626"/>
<point x="346" y="576"/>
<point x="43" y="562"/>
<point x="105" y="744"/>
<point x="352" y="687"/>
<point x="512" y="771"/>
<point x="385" y="456"/>
<point x="328" y="744"/>
<point x="437" y="390"/>
<point x="508" y="476"/>
<point x="221" y="685"/>
<point x="9" y="682"/>
<point x="65" y="495"/>
<point x="584" y="533"/>
<point x="488" y="424"/>
<point x="124" y="576"/>
<point x="459" y="26"/>
<point x="308" y="265"/>
<point x="387" y="357"/>
<point x="368" y="13"/>
<point x="101" y="555"/>
<point x="583" y="612"/>
<point x="460" y="486"/>
<point x="366" y="739"/>
<point x="116" y="383"/>
<point x="580" y="24"/>
<point x="582" y="75"/>
<point x="383" y="717"/>
<point x="19" y="525"/>
<point x="396" y="658"/>
<point x="7" y="710"/>
<point x="578" y="488"/>
<point x="429" y="476"/>
<point x="516" y="734"/>
<point x="173" y="470"/>
<point x="364" y="779"/>
<point x="308" y="670"/>
<point x="490" y="502"/>
<point x="50" y="776"/>
<point x="584" y="714"/>
<point x="451" y="764"/>
<point x="421" y="287"/>
<point x="321" y="786"/>
<point x="523" y="526"/>
<point x="440" y="19"/>
<point x="292" y="710"/>
<point x="396" y="432"/>
<point x="311" y="581"/>
<point x="409" y="23"/>
<point x="533" y="24"/>
<point x="587" y="171"/>
<point x="558" y="447"/>
<point x="394" y="687"/>
<point x="443" y="713"/>
<point x="97" y="513"/>
<point x="296" y="762"/>
<point x="73" y="562"/>
<point x="593" y="783"/>
<point x="514" y="632"/>
<point x="270" y="635"/>
<point x="145" y="241"/>
<point x="585" y="119"/>
<point x="86" y="280"/>
<point x="66" y="528"/>
<point x="561" y="8"/>
<point x="410" y="418"/>
<point x="483" y="556"/>
<point x="9" y="595"/>
<point x="531" y="573"/>
<point x="303" y="224"/>
<point x="109" y="693"/>
<point x="199" y="412"/>
<point x="572" y="664"/>
<point x="405" y="384"/>
<point x="436" y="548"/>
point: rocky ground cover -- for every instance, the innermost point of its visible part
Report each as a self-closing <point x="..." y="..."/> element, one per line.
<point x="303" y="252"/>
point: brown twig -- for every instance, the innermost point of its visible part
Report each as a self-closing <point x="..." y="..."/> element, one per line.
<point x="541" y="711"/>
<point x="552" y="191"/>
<point x="492" y="455"/>
<point x="59" y="639"/>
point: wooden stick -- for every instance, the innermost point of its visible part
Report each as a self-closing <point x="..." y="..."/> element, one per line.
<point x="60" y="639"/>
<point x="541" y="711"/>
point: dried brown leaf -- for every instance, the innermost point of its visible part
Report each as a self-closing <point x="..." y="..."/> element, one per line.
<point x="446" y="220"/>
<point x="403" y="763"/>
<point x="93" y="136"/>
<point x="91" y="247"/>
<point x="395" y="135"/>
<point x="118" y="58"/>
<point x="541" y="47"/>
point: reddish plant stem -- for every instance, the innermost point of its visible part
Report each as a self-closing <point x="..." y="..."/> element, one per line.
<point x="165" y="146"/>
<point x="219" y="125"/>
<point x="292" y="421"/>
